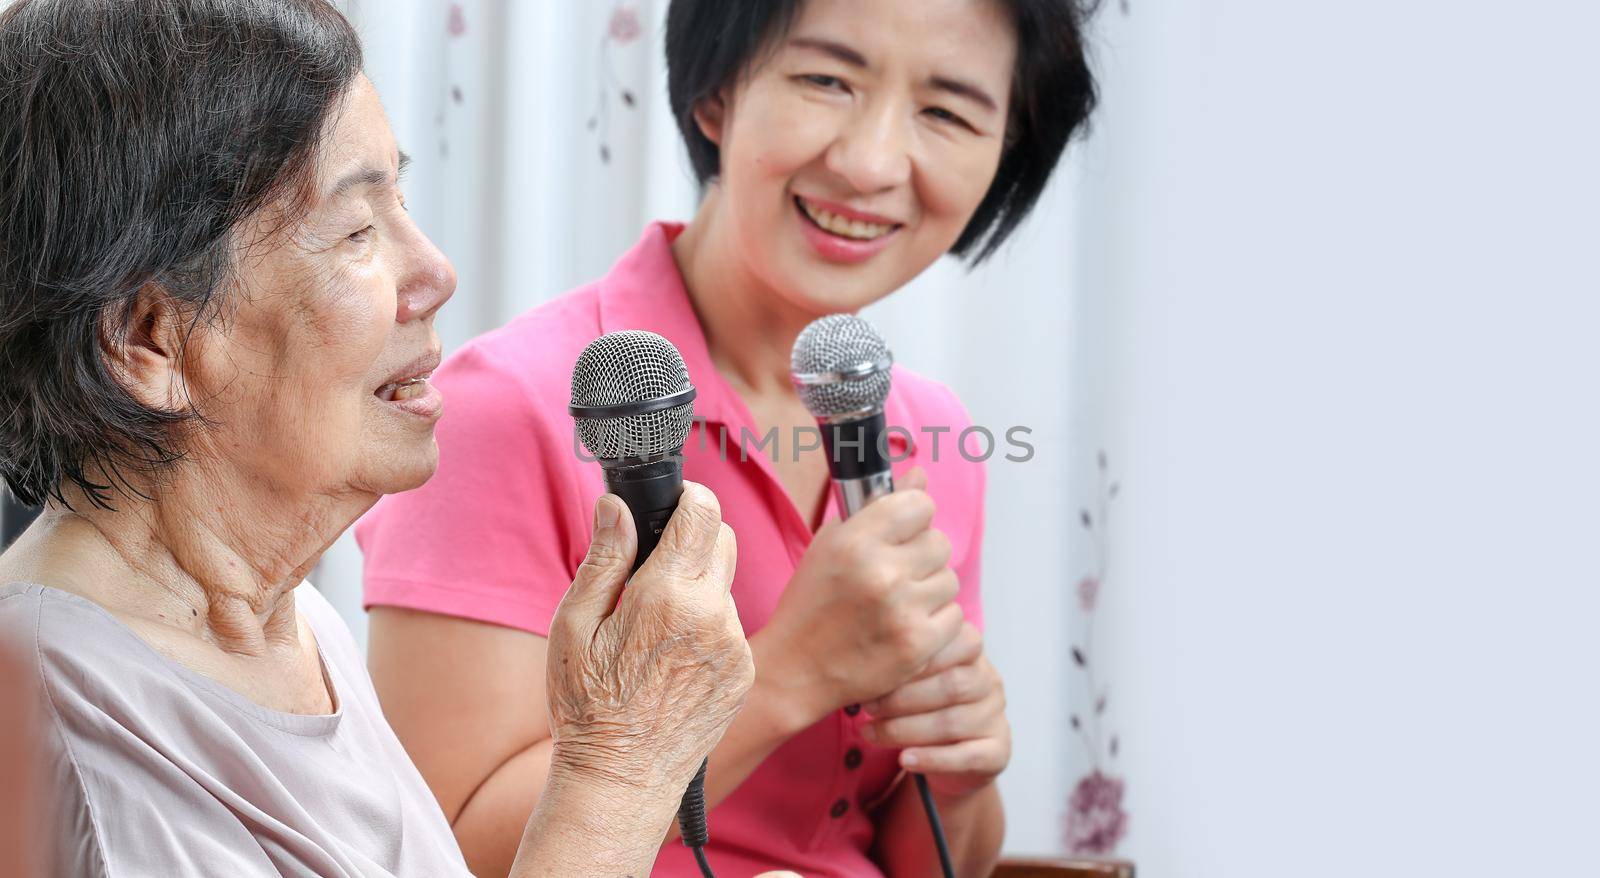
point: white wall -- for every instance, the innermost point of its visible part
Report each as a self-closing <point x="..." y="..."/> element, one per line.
<point x="1343" y="287"/>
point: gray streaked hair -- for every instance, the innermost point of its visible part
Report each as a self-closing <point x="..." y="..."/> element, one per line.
<point x="137" y="137"/>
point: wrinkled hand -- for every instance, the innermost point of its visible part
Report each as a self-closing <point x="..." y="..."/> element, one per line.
<point x="644" y="680"/>
<point x="870" y="604"/>
<point x="951" y="720"/>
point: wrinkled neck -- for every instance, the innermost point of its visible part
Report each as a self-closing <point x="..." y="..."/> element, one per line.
<point x="212" y="556"/>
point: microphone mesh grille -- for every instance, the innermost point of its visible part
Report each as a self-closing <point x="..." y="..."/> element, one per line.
<point x="627" y="367"/>
<point x="837" y="343"/>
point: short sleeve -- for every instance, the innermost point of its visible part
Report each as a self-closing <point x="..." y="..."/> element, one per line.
<point x="957" y="479"/>
<point x="969" y="572"/>
<point x="971" y="478"/>
<point x="498" y="532"/>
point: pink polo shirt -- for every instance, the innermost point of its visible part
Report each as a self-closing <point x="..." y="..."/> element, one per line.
<point x="500" y="530"/>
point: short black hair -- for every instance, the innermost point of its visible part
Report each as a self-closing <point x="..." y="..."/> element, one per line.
<point x="710" y="43"/>
<point x="136" y="137"/>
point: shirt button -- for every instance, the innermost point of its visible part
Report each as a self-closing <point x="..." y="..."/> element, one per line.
<point x="838" y="809"/>
<point x="852" y="758"/>
<point x="852" y="709"/>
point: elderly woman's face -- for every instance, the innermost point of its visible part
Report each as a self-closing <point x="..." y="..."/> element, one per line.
<point x="315" y="379"/>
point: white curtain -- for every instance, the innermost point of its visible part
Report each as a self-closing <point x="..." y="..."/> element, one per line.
<point x="494" y="100"/>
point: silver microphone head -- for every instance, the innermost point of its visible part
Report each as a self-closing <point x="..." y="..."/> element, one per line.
<point x="631" y="396"/>
<point x="841" y="365"/>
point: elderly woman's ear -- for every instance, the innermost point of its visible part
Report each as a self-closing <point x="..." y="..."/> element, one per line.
<point x="146" y="346"/>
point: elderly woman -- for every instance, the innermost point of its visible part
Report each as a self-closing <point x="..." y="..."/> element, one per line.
<point x="216" y="321"/>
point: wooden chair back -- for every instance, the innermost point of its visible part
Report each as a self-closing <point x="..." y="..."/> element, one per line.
<point x="1066" y="867"/>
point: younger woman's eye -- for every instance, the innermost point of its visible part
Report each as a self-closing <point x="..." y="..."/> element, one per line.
<point x="944" y="115"/>
<point x="822" y="80"/>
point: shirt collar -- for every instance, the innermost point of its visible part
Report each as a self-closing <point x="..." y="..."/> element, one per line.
<point x="645" y="290"/>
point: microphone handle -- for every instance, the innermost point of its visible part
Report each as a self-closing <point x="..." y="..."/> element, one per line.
<point x="651" y="491"/>
<point x="857" y="479"/>
<point x="858" y="459"/>
<point x="854" y="494"/>
<point x="860" y="477"/>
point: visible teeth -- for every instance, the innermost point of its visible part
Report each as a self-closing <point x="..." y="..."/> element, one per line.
<point x="845" y="228"/>
<point x="409" y="390"/>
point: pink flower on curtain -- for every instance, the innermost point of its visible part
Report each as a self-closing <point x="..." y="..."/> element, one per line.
<point x="1088" y="593"/>
<point x="625" y="27"/>
<point x="455" y="27"/>
<point x="1095" y="819"/>
<point x="622" y="28"/>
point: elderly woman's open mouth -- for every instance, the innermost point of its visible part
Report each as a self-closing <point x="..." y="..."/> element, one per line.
<point x="409" y="390"/>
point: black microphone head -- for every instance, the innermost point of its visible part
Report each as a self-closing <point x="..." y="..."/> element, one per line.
<point x="841" y="365"/>
<point x="631" y="396"/>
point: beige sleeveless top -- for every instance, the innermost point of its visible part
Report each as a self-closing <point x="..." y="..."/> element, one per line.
<point x="159" y="771"/>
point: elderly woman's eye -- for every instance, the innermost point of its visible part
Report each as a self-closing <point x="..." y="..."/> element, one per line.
<point x="361" y="236"/>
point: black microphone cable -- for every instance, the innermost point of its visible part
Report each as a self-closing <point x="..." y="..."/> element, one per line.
<point x="695" y="832"/>
<point x="935" y="824"/>
<point x="692" y="826"/>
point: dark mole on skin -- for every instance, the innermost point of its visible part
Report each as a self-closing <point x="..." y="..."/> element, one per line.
<point x="193" y="612"/>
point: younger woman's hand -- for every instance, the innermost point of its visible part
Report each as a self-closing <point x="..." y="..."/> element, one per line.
<point x="870" y="604"/>
<point x="951" y="720"/>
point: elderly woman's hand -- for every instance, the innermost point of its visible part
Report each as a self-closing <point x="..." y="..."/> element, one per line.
<point x="644" y="680"/>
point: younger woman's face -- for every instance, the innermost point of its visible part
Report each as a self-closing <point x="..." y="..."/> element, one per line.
<point x="857" y="150"/>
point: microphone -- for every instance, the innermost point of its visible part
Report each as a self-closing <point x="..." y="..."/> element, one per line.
<point x="633" y="404"/>
<point x="840" y="366"/>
